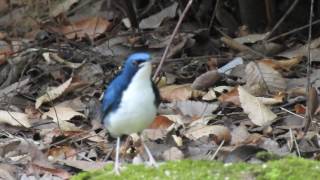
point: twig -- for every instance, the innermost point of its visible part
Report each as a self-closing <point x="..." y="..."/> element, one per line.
<point x="308" y="113"/>
<point x="293" y="31"/>
<point x="166" y="51"/>
<point x="213" y="15"/>
<point x="216" y="152"/>
<point x="281" y="19"/>
<point x="286" y="110"/>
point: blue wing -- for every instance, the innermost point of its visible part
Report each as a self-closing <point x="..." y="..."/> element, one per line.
<point x="112" y="97"/>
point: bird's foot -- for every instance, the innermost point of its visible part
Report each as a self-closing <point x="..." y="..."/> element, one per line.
<point x="152" y="163"/>
<point x="116" y="169"/>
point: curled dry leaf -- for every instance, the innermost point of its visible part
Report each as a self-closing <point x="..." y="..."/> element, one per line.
<point x="91" y="27"/>
<point x="61" y="115"/>
<point x="206" y="80"/>
<point x="161" y="122"/>
<point x="262" y="78"/>
<point x="299" y="109"/>
<point x="14" y="118"/>
<point x="231" y="96"/>
<point x="258" y="113"/>
<point x="53" y="94"/>
<point x="179" y="92"/>
<point x="220" y="132"/>
<point x="285" y="65"/>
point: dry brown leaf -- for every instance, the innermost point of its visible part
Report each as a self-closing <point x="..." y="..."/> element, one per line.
<point x="179" y="92"/>
<point x="61" y="115"/>
<point x="231" y="96"/>
<point x="286" y="64"/>
<point x="14" y="118"/>
<point x="258" y="113"/>
<point x="53" y="94"/>
<point x="220" y="132"/>
<point x="161" y="122"/>
<point x="299" y="109"/>
<point x="206" y="80"/>
<point x="62" y="152"/>
<point x="262" y="78"/>
<point x="91" y="27"/>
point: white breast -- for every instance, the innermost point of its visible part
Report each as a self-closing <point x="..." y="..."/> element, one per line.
<point x="137" y="109"/>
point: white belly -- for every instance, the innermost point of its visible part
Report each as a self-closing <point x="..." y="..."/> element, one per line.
<point x="137" y="109"/>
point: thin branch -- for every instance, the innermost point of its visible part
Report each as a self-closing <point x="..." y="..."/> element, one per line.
<point x="293" y="5"/>
<point x="308" y="113"/>
<point x="293" y="31"/>
<point x="166" y="51"/>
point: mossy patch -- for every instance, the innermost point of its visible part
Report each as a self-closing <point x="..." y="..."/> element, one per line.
<point x="288" y="168"/>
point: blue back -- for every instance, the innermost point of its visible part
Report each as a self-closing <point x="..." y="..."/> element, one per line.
<point x="112" y="95"/>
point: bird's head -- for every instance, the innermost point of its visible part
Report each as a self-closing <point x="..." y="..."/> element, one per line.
<point x="136" y="61"/>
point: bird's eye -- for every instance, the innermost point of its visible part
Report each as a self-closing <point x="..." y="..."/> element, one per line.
<point x="137" y="62"/>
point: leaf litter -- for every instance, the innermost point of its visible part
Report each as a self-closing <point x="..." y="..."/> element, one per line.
<point x="227" y="91"/>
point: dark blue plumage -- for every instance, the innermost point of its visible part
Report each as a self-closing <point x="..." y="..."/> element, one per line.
<point x="113" y="93"/>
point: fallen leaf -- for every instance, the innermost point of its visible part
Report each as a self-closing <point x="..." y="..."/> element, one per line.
<point x="231" y="96"/>
<point x="211" y="95"/>
<point x="242" y="153"/>
<point x="196" y="109"/>
<point x="206" y="80"/>
<point x="173" y="154"/>
<point x="84" y="165"/>
<point x="91" y="27"/>
<point x="220" y="132"/>
<point x="61" y="115"/>
<point x="262" y="78"/>
<point x="53" y="93"/>
<point x="154" y="21"/>
<point x="299" y="109"/>
<point x="179" y="92"/>
<point x="154" y="134"/>
<point x="285" y="65"/>
<point x="258" y="113"/>
<point x="62" y="152"/>
<point x="14" y="118"/>
<point x="160" y="122"/>
<point x="55" y="171"/>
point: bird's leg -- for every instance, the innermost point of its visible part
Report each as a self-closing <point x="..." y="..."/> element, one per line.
<point x="152" y="161"/>
<point x="116" y="164"/>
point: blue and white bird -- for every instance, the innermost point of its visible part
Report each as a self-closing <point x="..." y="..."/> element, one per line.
<point x="130" y="101"/>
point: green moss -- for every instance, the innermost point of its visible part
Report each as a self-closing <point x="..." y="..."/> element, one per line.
<point x="289" y="168"/>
